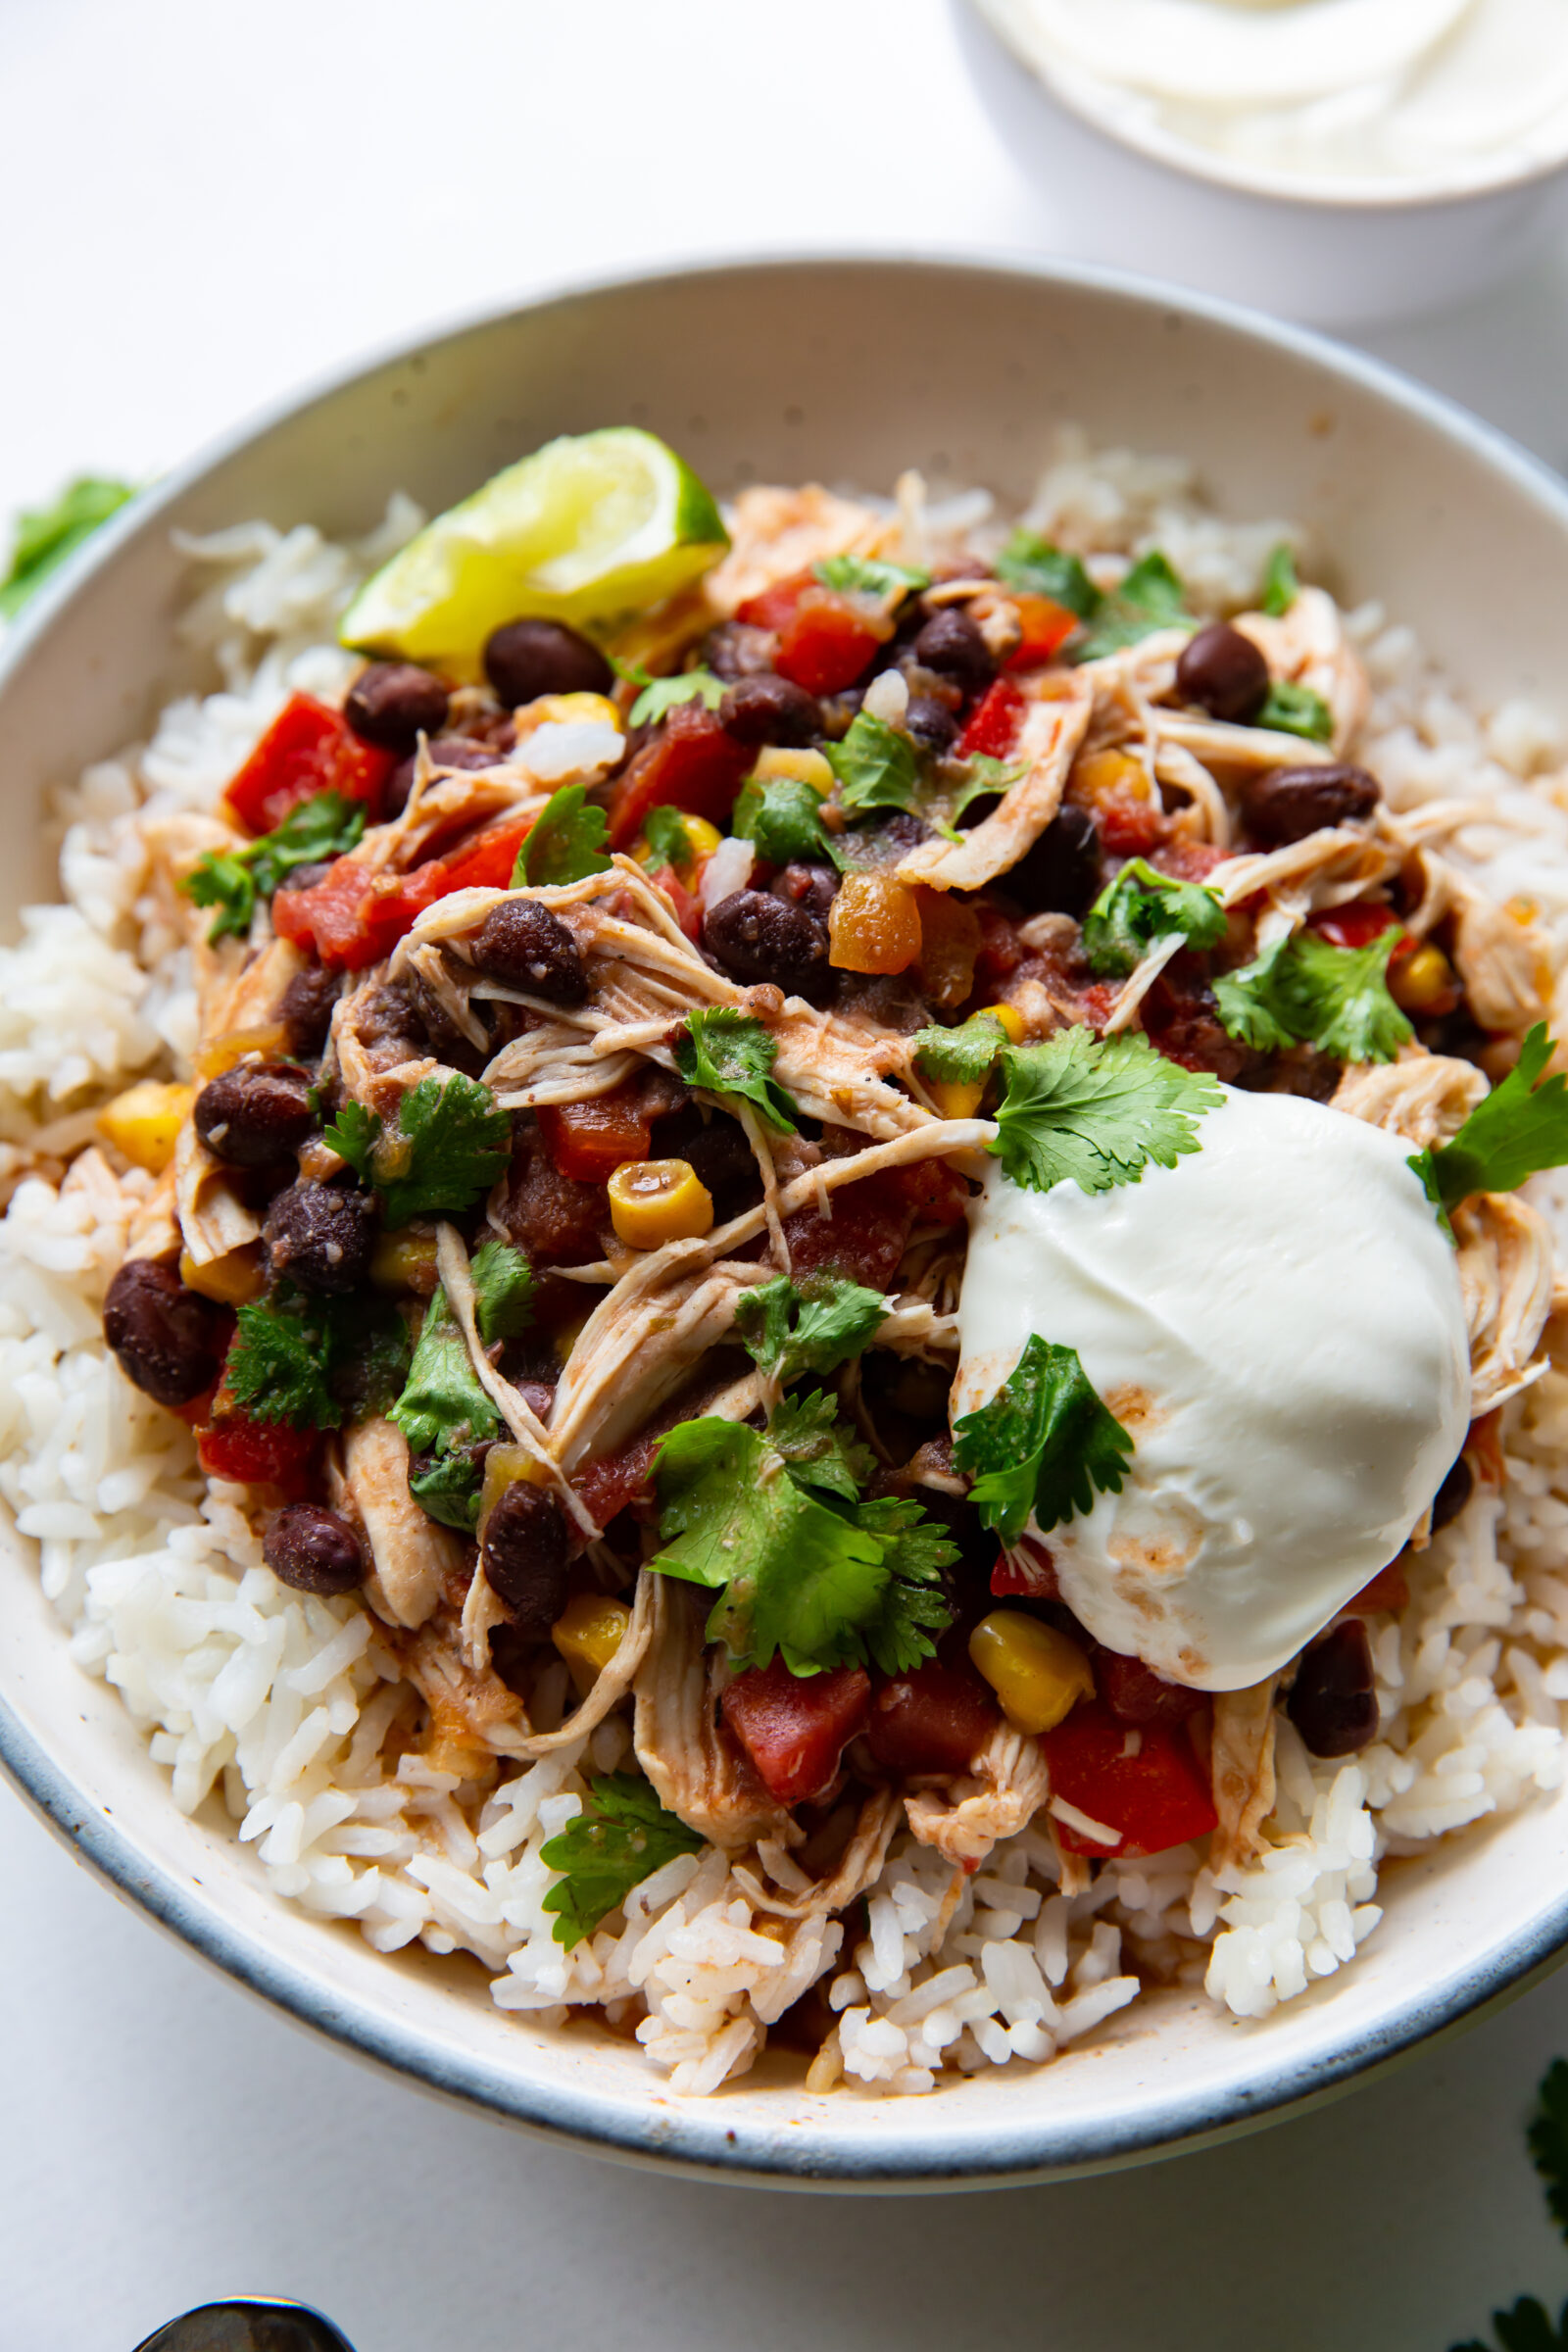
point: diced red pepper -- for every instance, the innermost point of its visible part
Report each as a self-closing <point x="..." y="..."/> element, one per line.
<point x="827" y="641"/>
<point x="1047" y="626"/>
<point x="307" y="749"/>
<point x="1137" y="1696"/>
<point x="689" y="764"/>
<point x="932" y="1720"/>
<point x="1146" y="1784"/>
<point x="353" y="916"/>
<point x="995" y="722"/>
<point x="1028" y="1569"/>
<point x="589" y="1141"/>
<point x="794" y="1728"/>
<point x="1355" y="925"/>
<point x="257" y="1452"/>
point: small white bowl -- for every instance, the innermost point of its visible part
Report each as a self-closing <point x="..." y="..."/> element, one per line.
<point x="837" y="370"/>
<point x="1126" y="192"/>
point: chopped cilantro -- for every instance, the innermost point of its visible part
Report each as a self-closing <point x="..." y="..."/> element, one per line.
<point x="660" y="696"/>
<point x="1521" y="1128"/>
<point x="1042" y="1445"/>
<point x="863" y="575"/>
<point x="232" y="880"/>
<point x="445" y="1413"/>
<point x="1527" y="2326"/>
<point x="1306" y="991"/>
<point x="309" y="1360"/>
<point x="878" y="767"/>
<point x="351" y="1134"/>
<point x="1141" y="905"/>
<point x="368" y="1353"/>
<point x="564" y="843"/>
<point x="959" y="1057"/>
<point x="503" y="1290"/>
<point x="784" y="818"/>
<point x="1151" y="597"/>
<point x="729" y="1052"/>
<point x="1097" y="1110"/>
<point x="47" y="535"/>
<point x="813" y="1325"/>
<point x="669" y="842"/>
<point x="1281" y="587"/>
<point x="607" y="1850"/>
<point x="802" y="1569"/>
<point x="450" y="1143"/>
<point x="1296" y="710"/>
<point x="1032" y="563"/>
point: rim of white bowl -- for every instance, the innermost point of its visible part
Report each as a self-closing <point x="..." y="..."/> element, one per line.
<point x="701" y="2136"/>
<point x="1116" y="115"/>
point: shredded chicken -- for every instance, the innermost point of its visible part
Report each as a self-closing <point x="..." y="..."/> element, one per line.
<point x="1309" y="647"/>
<point x="1241" y="1773"/>
<point x="414" y="1556"/>
<point x="775" y="533"/>
<point x="1053" y="731"/>
<point x="610" y="1684"/>
<point x="859" y="1868"/>
<point x="1505" y="963"/>
<point x="697" y="1771"/>
<point x="213" y="1218"/>
<point x="470" y="1707"/>
<point x="1001" y="1794"/>
<point x="1424" y="1097"/>
<point x="1506" y="1273"/>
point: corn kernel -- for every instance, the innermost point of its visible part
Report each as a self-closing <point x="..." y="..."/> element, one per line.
<point x="563" y="709"/>
<point x="1036" y="1673"/>
<point x="779" y="763"/>
<point x="588" y="1632"/>
<point x="144" y="1122"/>
<point x="702" y="840"/>
<point x="1423" y="982"/>
<point x="231" y="1280"/>
<point x="874" y="925"/>
<point x="653" y="1201"/>
<point x="403" y="1261"/>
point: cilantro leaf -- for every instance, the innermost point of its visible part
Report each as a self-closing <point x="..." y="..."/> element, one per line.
<point x="607" y="1850"/>
<point x="1141" y="905"/>
<point x="819" y="1451"/>
<point x="1548" y="2127"/>
<point x="444" y="1412"/>
<point x="1042" y="1445"/>
<point x="660" y="696"/>
<point x="1097" y="1110"/>
<point x="503" y="1290"/>
<point x="232" y="880"/>
<point x="784" y="818"/>
<point x="366" y="1344"/>
<point x="810" y="1326"/>
<point x="1032" y="563"/>
<point x="449" y="1486"/>
<point x="46" y="535"/>
<point x="1519" y="1129"/>
<point x="959" y="1057"/>
<point x="915" y="1603"/>
<point x="1526" y="2328"/>
<point x="277" y="1365"/>
<point x="865" y="575"/>
<point x="352" y="1135"/>
<point x="1292" y="710"/>
<point x="1281" y="587"/>
<point x="876" y="766"/>
<point x="450" y="1143"/>
<point x="1151" y="597"/>
<point x="669" y="842"/>
<point x="1306" y="991"/>
<point x="566" y="842"/>
<point x="729" y="1052"/>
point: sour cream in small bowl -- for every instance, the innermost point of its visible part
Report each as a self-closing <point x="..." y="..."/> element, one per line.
<point x="1340" y="160"/>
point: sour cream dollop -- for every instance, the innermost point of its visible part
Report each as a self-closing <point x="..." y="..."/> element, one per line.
<point x="1277" y="1323"/>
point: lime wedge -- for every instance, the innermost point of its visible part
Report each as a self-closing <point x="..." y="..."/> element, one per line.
<point x="589" y="528"/>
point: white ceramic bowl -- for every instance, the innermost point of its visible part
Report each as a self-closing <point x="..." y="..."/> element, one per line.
<point x="1122" y="191"/>
<point x="844" y="370"/>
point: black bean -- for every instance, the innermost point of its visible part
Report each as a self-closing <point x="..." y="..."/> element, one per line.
<point x="1061" y="873"/>
<point x="529" y="657"/>
<point x="931" y="723"/>
<point x="1453" y="1494"/>
<point x="714" y="1145"/>
<point x="305" y="1009"/>
<point x="1332" y="1701"/>
<point x="523" y="1555"/>
<point x="169" y="1339"/>
<point x="394" y="702"/>
<point x="814" y="887"/>
<point x="255" y="1114"/>
<point x="769" y="710"/>
<point x="738" y="649"/>
<point x="1224" y="673"/>
<point x="754" y="937"/>
<point x="313" y="1549"/>
<point x="449" y="1042"/>
<point x="524" y="945"/>
<point x="1284" y="804"/>
<point x="320" y="1237"/>
<point x="951" y="643"/>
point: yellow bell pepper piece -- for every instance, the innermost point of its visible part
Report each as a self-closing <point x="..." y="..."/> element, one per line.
<point x="588" y="1632"/>
<point x="403" y="1261"/>
<point x="144" y="1122"/>
<point x="1036" y="1673"/>
<point x="231" y="1280"/>
<point x="779" y="763"/>
<point x="221" y="1054"/>
<point x="653" y="1201"/>
<point x="960" y="1097"/>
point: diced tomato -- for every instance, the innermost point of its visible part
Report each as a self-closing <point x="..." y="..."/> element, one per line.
<point x="1136" y="1694"/>
<point x="794" y="1728"/>
<point x="688" y="910"/>
<point x="934" y="1194"/>
<point x="1046" y="625"/>
<point x="589" y="1141"/>
<point x="827" y="641"/>
<point x="1355" y="925"/>
<point x="933" y="1720"/>
<point x="257" y="1452"/>
<point x="867" y="1231"/>
<point x="1028" y="1569"/>
<point x="487" y="862"/>
<point x="353" y="916"/>
<point x="995" y="722"/>
<point x="775" y="608"/>
<point x="1146" y="1785"/>
<point x="1130" y="826"/>
<point x="690" y="764"/>
<point x="307" y="749"/>
<point x="1389" y="1589"/>
<point x="1189" y="861"/>
<point x="999" y="951"/>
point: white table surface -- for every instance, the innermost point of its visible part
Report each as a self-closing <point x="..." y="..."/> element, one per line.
<point x="207" y="204"/>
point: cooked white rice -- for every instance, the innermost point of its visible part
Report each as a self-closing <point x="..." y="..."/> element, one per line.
<point x="280" y="1707"/>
